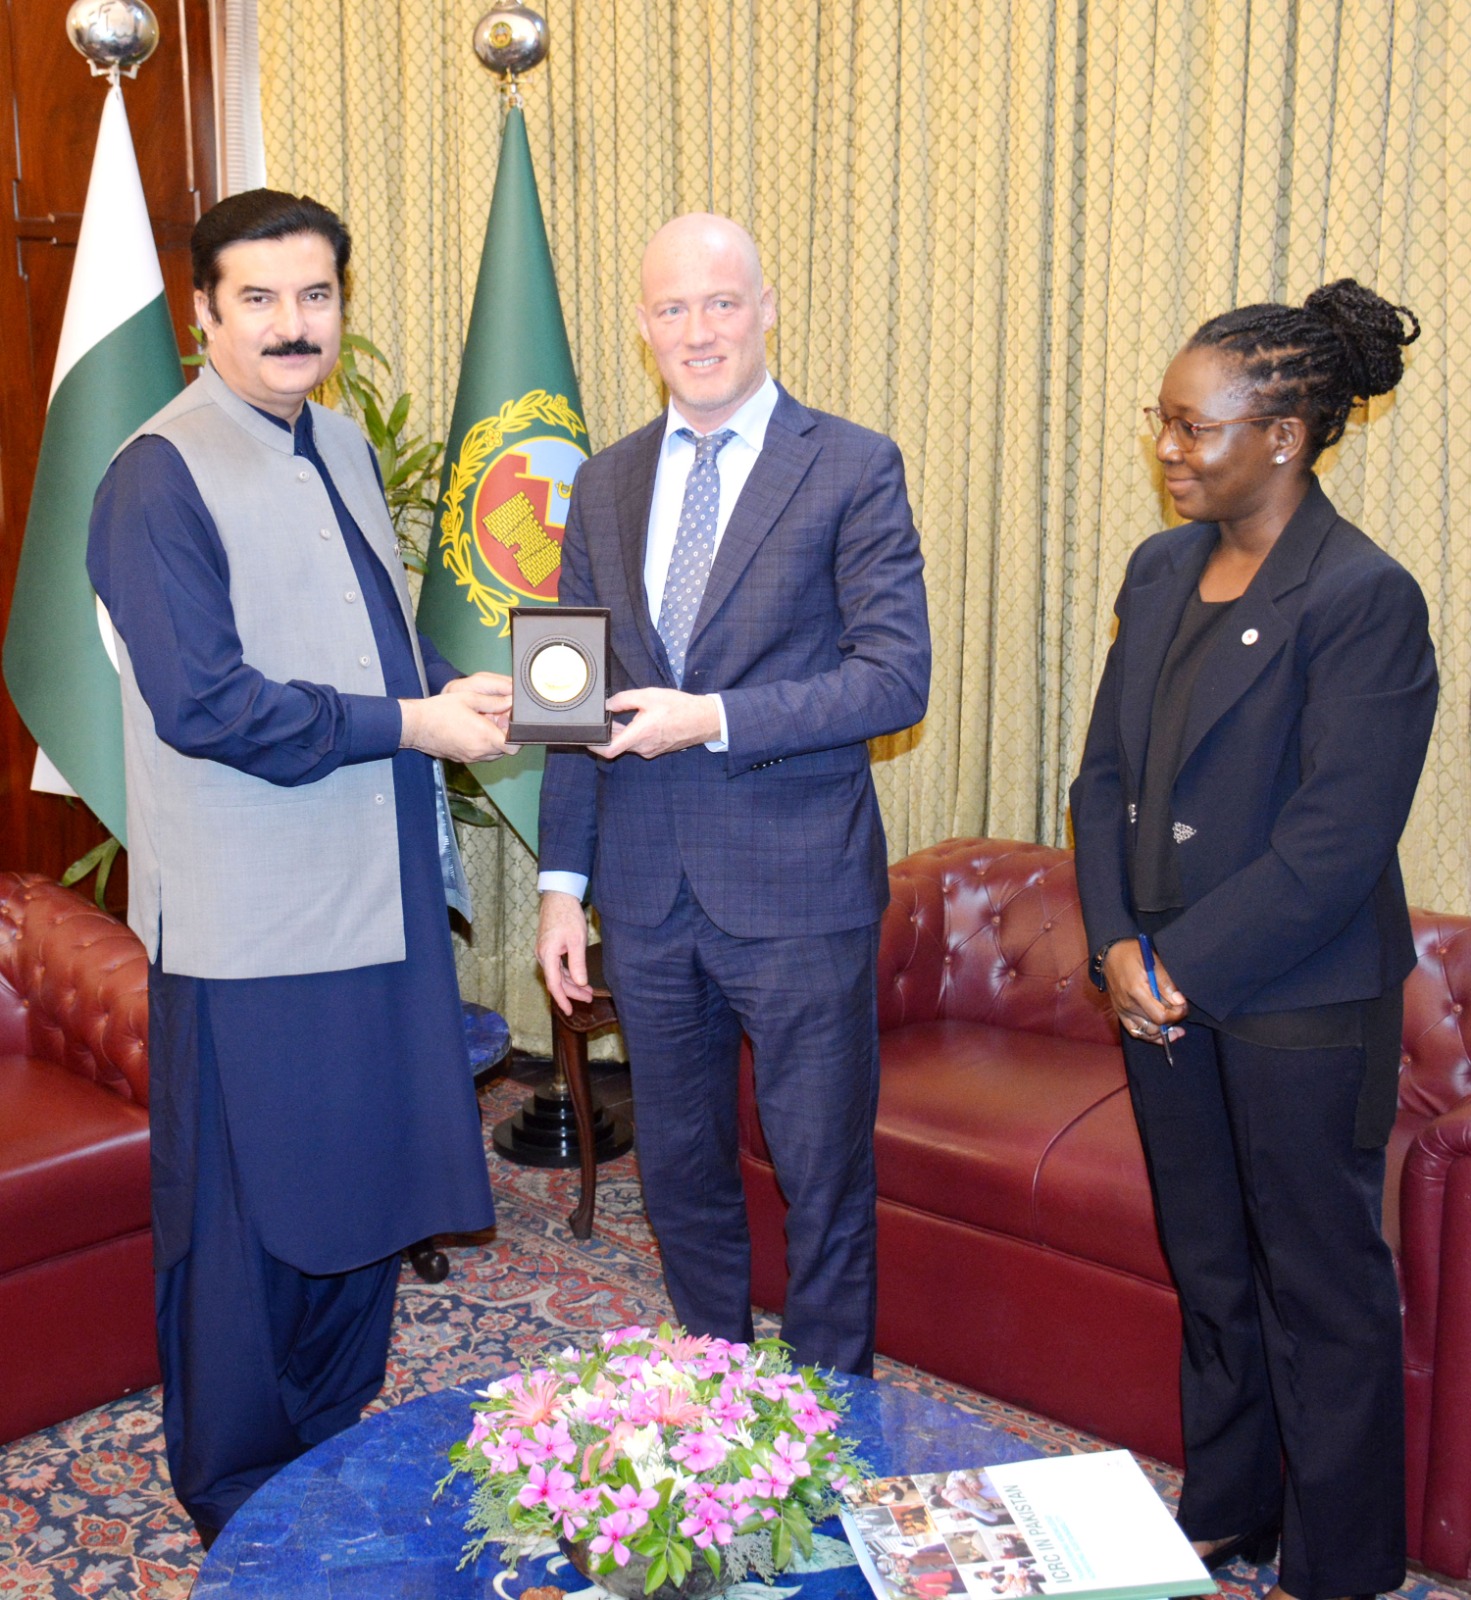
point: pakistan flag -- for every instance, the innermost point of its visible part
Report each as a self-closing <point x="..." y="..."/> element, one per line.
<point x="515" y="443"/>
<point x="116" y="365"/>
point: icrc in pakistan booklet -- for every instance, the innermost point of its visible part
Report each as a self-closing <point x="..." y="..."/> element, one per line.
<point x="1088" y="1525"/>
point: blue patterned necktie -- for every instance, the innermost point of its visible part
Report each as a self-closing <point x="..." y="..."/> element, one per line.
<point x="694" y="547"/>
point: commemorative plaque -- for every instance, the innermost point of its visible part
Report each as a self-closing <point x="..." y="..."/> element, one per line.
<point x="559" y="675"/>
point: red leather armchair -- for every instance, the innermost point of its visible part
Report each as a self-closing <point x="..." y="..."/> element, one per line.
<point x="1017" y="1245"/>
<point x="76" y="1269"/>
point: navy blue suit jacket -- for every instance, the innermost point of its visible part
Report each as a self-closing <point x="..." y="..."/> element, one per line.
<point x="814" y="631"/>
<point x="1307" y="731"/>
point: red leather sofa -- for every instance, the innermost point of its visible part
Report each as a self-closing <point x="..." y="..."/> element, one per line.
<point x="76" y="1269"/>
<point x="1017" y="1247"/>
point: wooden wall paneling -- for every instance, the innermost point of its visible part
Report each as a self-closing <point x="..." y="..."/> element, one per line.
<point x="53" y="106"/>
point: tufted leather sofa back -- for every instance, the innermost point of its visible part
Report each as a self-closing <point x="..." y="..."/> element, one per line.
<point x="989" y="930"/>
<point x="73" y="986"/>
<point x="1435" y="1067"/>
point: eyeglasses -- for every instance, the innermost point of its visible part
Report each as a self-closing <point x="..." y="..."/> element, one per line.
<point x="1184" y="434"/>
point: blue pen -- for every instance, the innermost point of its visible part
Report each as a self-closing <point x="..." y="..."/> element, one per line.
<point x="1146" y="949"/>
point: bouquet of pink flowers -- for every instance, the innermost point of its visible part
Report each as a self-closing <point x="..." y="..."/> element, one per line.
<point x="651" y="1449"/>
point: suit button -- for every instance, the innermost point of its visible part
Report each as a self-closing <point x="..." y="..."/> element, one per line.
<point x="378" y="800"/>
<point x="350" y="596"/>
<point x="364" y="661"/>
<point x="326" y="533"/>
<point x="303" y="477"/>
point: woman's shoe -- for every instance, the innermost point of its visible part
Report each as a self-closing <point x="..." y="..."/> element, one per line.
<point x="1256" y="1547"/>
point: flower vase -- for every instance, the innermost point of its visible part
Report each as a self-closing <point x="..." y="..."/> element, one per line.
<point x="628" y="1581"/>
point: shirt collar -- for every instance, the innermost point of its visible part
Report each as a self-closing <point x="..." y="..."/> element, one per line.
<point x="300" y="430"/>
<point x="748" y="423"/>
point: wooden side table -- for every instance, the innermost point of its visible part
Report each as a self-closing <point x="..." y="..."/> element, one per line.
<point x="539" y="1133"/>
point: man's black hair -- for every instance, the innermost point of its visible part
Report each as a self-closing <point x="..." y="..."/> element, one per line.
<point x="260" y="214"/>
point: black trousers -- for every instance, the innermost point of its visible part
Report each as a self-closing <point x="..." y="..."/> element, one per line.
<point x="260" y="1361"/>
<point x="1292" y="1388"/>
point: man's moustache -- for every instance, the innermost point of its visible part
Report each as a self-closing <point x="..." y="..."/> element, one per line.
<point x="293" y="347"/>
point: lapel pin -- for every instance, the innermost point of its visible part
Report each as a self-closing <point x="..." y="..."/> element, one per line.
<point x="1250" y="636"/>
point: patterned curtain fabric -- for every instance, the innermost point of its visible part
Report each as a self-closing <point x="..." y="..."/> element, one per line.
<point x="989" y="227"/>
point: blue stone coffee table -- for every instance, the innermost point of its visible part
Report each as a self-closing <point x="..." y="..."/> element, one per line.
<point x="355" y="1518"/>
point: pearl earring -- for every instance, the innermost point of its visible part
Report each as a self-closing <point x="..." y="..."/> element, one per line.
<point x="1280" y="460"/>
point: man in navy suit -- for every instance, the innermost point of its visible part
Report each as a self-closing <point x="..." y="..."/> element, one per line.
<point x="768" y="618"/>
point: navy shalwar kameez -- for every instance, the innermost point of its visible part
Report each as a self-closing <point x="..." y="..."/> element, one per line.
<point x="305" y="1128"/>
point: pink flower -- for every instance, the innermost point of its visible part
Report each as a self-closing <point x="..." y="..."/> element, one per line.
<point x="672" y="1408"/>
<point x="735" y="1496"/>
<point x="532" y="1402"/>
<point x="791" y="1459"/>
<point x="730" y="1407"/>
<point x="708" y="1521"/>
<point x="683" y="1347"/>
<point x="638" y="1503"/>
<point x="630" y="1366"/>
<point x="700" y="1451"/>
<point x="617" y="1336"/>
<point x="546" y="1442"/>
<point x="610" y="1535"/>
<point x="546" y="1488"/>
<point x="809" y="1416"/>
<point x="502" y="1455"/>
<point x="766" y="1484"/>
<point x="600" y="1407"/>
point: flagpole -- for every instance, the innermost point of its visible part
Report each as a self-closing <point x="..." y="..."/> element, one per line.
<point x="516" y="436"/>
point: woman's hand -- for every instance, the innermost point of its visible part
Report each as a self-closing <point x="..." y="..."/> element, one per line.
<point x="1139" y="1013"/>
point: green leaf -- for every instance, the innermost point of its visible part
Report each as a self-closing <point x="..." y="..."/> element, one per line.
<point x="360" y="341"/>
<point x="470" y="814"/>
<point x="658" y="1571"/>
<point x="104" y="872"/>
<point x="373" y="418"/>
<point x="400" y="413"/>
<point x="99" y="858"/>
<point x="459" y="779"/>
<point x="781" y="1545"/>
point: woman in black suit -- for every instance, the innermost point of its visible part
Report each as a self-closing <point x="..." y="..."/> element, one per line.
<point x="1254" y="748"/>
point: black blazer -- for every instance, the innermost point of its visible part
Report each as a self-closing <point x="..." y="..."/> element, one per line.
<point x="1305" y="738"/>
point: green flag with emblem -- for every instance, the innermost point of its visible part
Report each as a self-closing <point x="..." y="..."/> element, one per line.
<point x="515" y="443"/>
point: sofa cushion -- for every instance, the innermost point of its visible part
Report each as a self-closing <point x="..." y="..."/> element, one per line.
<point x="1093" y="1198"/>
<point x="73" y="1162"/>
<point x="969" y="1112"/>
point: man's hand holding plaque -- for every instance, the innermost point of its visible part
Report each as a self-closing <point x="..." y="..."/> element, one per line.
<point x="663" y="720"/>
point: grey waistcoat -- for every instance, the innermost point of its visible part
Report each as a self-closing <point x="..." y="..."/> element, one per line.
<point x="245" y="878"/>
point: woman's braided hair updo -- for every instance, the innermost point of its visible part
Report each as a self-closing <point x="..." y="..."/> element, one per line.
<point x="1313" y="361"/>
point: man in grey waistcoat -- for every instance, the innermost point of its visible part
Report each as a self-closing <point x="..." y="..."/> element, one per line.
<point x="290" y="861"/>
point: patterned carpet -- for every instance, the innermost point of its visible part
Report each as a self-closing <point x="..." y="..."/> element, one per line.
<point x="85" y="1507"/>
